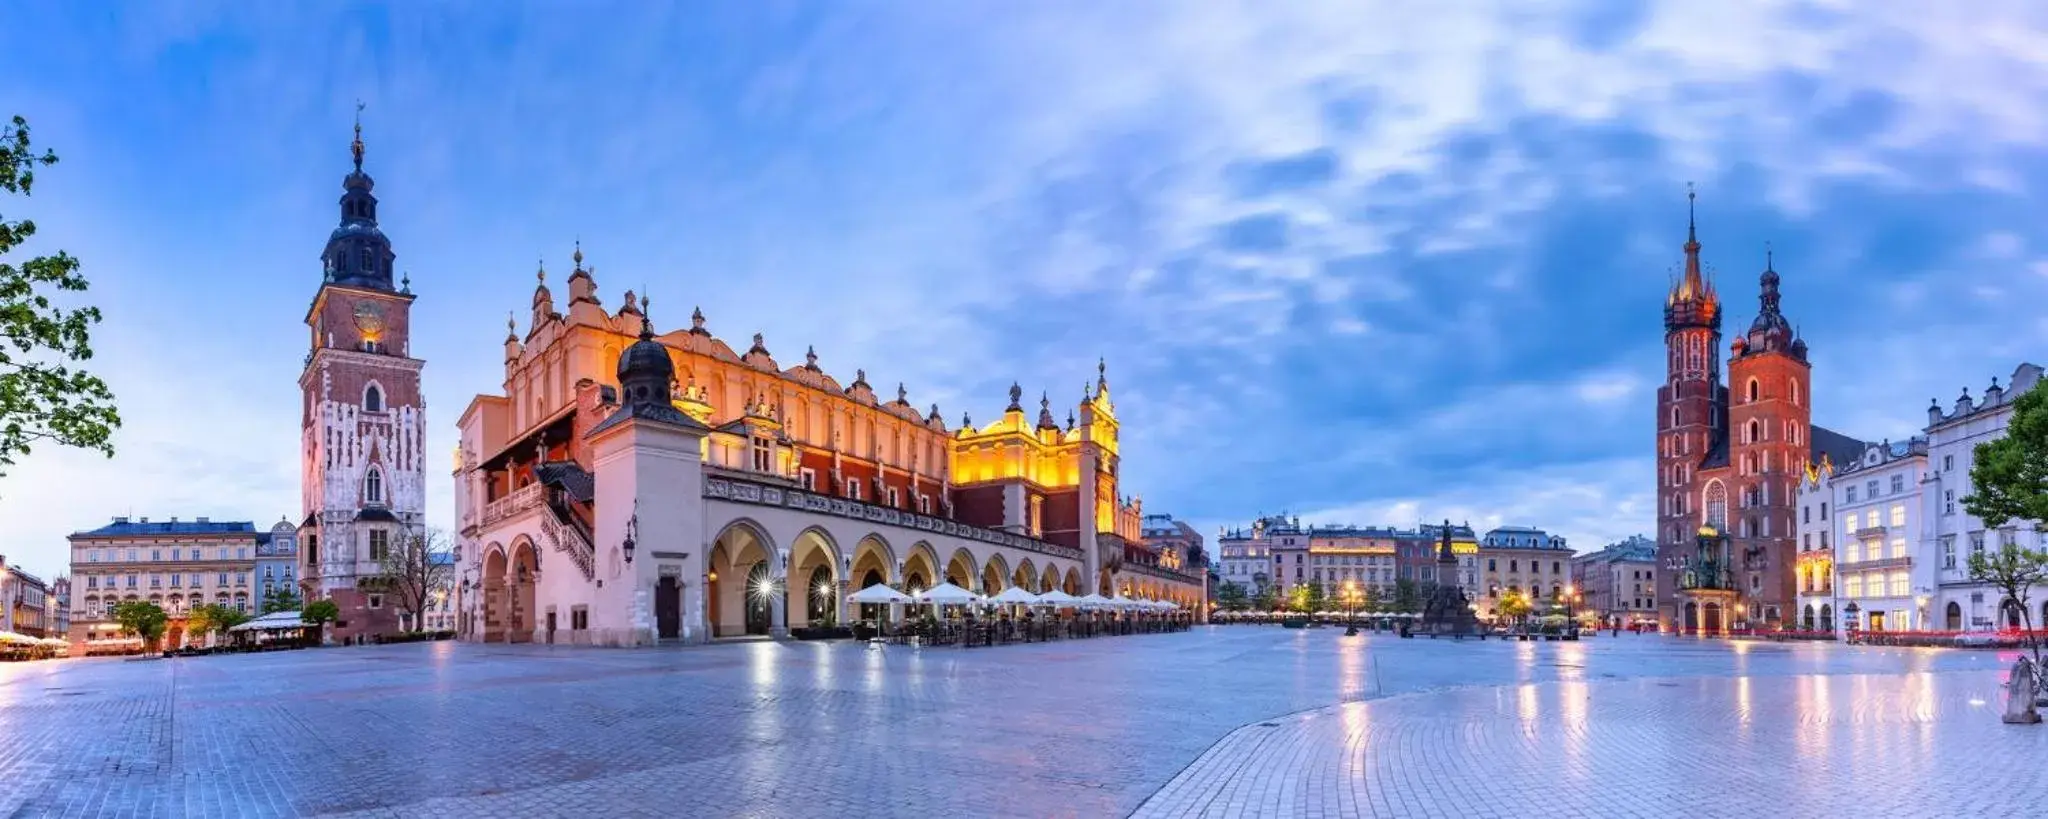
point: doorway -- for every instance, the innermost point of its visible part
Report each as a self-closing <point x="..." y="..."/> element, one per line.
<point x="668" y="608"/>
<point x="760" y="597"/>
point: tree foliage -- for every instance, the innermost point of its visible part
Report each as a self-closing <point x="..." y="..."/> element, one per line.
<point x="2014" y="572"/>
<point x="1513" y="605"/>
<point x="213" y="618"/>
<point x="320" y="612"/>
<point x="1231" y="596"/>
<point x="2009" y="478"/>
<point x="1407" y="597"/>
<point x="412" y="570"/>
<point x="142" y="619"/>
<point x="44" y="396"/>
<point x="281" y="598"/>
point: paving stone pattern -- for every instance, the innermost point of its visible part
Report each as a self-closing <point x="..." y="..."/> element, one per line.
<point x="1242" y="720"/>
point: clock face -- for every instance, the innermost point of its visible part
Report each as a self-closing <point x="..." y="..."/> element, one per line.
<point x="369" y="318"/>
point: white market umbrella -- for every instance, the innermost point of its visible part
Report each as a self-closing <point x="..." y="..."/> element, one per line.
<point x="1014" y="595"/>
<point x="878" y="594"/>
<point x="1091" y="601"/>
<point x="1057" y="599"/>
<point x="947" y="594"/>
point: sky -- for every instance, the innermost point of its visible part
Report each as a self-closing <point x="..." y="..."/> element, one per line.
<point x="1363" y="262"/>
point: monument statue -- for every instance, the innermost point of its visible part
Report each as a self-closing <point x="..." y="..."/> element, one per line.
<point x="1447" y="611"/>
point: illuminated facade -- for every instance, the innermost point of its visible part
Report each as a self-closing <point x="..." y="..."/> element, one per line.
<point x="1619" y="581"/>
<point x="1278" y="552"/>
<point x="1866" y="575"/>
<point x="175" y="564"/>
<point x="1524" y="561"/>
<point x="631" y="486"/>
<point x="1730" y="457"/>
<point x="1951" y="533"/>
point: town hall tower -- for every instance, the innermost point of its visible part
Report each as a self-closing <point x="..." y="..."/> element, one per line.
<point x="363" y="473"/>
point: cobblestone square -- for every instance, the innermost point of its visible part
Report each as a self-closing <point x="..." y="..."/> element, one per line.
<point x="1223" y="721"/>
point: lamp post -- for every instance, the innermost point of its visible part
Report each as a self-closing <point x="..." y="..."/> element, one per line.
<point x="1350" y="595"/>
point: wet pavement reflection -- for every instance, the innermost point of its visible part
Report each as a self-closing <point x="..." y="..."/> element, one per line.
<point x="1240" y="720"/>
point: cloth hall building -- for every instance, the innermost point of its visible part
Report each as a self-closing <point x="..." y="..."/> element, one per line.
<point x="632" y="486"/>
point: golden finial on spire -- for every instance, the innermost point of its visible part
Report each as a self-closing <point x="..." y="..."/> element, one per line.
<point x="577" y="257"/>
<point x="356" y="147"/>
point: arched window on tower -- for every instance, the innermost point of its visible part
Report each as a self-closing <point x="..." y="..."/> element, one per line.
<point x="373" y="486"/>
<point x="1717" y="505"/>
<point x="1755" y="390"/>
<point x="1792" y="391"/>
<point x="1756" y="430"/>
<point x="373" y="399"/>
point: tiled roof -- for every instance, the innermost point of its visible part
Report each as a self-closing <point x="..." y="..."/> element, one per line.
<point x="122" y="527"/>
<point x="571" y="476"/>
<point x="1839" y="448"/>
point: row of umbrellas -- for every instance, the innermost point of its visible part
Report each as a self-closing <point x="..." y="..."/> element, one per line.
<point x="947" y="594"/>
<point x="10" y="638"/>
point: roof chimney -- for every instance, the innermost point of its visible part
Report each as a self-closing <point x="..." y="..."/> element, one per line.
<point x="145" y="519"/>
<point x="120" y="519"/>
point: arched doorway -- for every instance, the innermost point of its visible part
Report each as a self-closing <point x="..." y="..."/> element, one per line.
<point x="813" y="593"/>
<point x="872" y="611"/>
<point x="819" y="594"/>
<point x="1105" y="585"/>
<point x="741" y="582"/>
<point x="1710" y="618"/>
<point x="1953" y="617"/>
<point x="1050" y="580"/>
<point x="1692" y="617"/>
<point x="496" y="594"/>
<point x="760" y="595"/>
<point x="1806" y="619"/>
<point x="2012" y="614"/>
<point x="1827" y="617"/>
<point x="960" y="570"/>
<point x="525" y="580"/>
<point x="1072" y="583"/>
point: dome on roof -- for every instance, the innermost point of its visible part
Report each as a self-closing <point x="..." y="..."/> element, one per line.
<point x="645" y="371"/>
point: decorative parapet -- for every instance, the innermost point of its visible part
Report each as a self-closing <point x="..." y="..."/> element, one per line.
<point x="740" y="491"/>
<point x="526" y="498"/>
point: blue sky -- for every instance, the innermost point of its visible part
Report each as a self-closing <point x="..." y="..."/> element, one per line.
<point x="1370" y="262"/>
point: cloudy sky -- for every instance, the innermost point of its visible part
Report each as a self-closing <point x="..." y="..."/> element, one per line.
<point x="1372" y="262"/>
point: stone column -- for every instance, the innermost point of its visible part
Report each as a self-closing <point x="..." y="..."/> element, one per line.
<point x="778" y="609"/>
<point x="839" y="605"/>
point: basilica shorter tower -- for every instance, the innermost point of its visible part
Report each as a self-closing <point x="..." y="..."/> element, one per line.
<point x="1730" y="456"/>
<point x="363" y="473"/>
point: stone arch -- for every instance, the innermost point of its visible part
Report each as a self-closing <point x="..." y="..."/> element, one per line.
<point x="920" y="568"/>
<point x="1072" y="583"/>
<point x="734" y="605"/>
<point x="1105" y="583"/>
<point x="496" y="564"/>
<point x="962" y="570"/>
<point x="1755" y="389"/>
<point x="522" y="576"/>
<point x="995" y="574"/>
<point x="1026" y="576"/>
<point x="813" y="587"/>
<point x="1049" y="579"/>
<point x="1954" y="616"/>
<point x="873" y="554"/>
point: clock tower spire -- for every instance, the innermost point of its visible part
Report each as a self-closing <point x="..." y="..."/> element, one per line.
<point x="363" y="425"/>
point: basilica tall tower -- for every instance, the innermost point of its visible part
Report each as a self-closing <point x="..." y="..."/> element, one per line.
<point x="363" y="471"/>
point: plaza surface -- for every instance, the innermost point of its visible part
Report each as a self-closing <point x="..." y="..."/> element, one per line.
<point x="1222" y="721"/>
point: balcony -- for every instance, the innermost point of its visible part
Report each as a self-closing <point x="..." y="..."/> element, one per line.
<point x="523" y="500"/>
<point x="1868" y="532"/>
<point x="1902" y="562"/>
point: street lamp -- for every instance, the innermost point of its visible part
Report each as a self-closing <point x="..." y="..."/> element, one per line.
<point x="1350" y="595"/>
